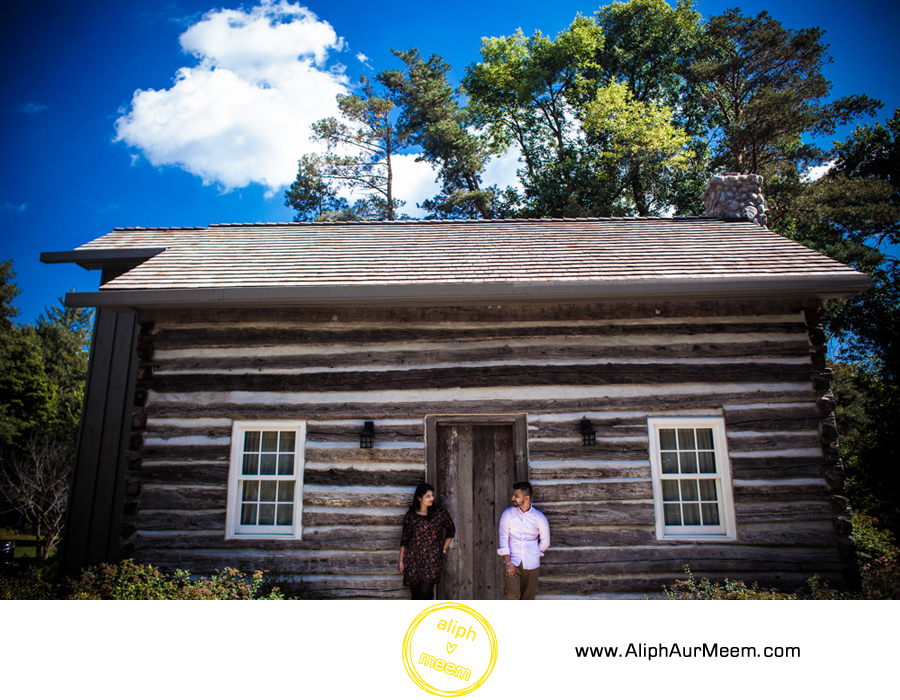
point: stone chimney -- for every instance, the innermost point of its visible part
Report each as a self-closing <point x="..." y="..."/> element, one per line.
<point x="735" y="196"/>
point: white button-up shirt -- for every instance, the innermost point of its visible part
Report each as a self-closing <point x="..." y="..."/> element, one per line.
<point x="524" y="536"/>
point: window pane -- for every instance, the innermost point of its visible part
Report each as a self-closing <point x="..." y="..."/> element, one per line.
<point x="667" y="439"/>
<point x="287" y="441"/>
<point x="270" y="441"/>
<point x="250" y="491"/>
<point x="708" y="490"/>
<point x="267" y="463"/>
<point x="285" y="515"/>
<point x="286" y="491"/>
<point x="251" y="464"/>
<point x="686" y="439"/>
<point x="248" y="514"/>
<point x="689" y="490"/>
<point x="286" y="464"/>
<point x="707" y="462"/>
<point x="670" y="462"/>
<point x="691" y="514"/>
<point x="267" y="490"/>
<point x="670" y="490"/>
<point x="688" y="462"/>
<point x="710" y="513"/>
<point x="704" y="439"/>
<point x="251" y="441"/>
<point x="267" y="514"/>
<point x="673" y="513"/>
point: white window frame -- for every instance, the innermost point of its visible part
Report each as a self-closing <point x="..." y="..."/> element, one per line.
<point x="234" y="530"/>
<point x="726" y="529"/>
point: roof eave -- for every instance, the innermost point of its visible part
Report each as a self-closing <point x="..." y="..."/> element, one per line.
<point x="822" y="286"/>
<point x="102" y="258"/>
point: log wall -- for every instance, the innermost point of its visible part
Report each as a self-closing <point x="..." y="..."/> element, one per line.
<point x="760" y="364"/>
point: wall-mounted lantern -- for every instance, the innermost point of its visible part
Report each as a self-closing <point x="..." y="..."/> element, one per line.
<point x="588" y="434"/>
<point x="367" y="436"/>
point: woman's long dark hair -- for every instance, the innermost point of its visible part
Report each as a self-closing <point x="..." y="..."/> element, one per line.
<point x="421" y="490"/>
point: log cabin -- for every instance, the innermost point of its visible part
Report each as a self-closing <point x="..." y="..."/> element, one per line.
<point x="267" y="396"/>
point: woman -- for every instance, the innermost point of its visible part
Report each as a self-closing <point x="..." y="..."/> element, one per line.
<point x="427" y="533"/>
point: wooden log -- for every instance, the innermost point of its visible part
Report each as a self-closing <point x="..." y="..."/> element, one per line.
<point x="791" y="309"/>
<point x="361" y="539"/>
<point x="299" y="562"/>
<point x="222" y="336"/>
<point x="294" y="358"/>
<point x="762" y="467"/>
<point x="790" y="537"/>
<point x="758" y="442"/>
<point x="585" y="513"/>
<point x="146" y="519"/>
<point x="467" y="376"/>
<point x="760" y="491"/>
<point x="381" y="453"/>
<point x="364" y="477"/>
<point x="187" y="497"/>
<point x="612" y="428"/>
<point x="273" y="406"/>
<point x="341" y="497"/>
<point x="186" y="473"/>
<point x="593" y="491"/>
<point x="630" y="451"/>
<point x="599" y="470"/>
<point x="314" y="516"/>
<point x="605" y="537"/>
<point x="785" y="511"/>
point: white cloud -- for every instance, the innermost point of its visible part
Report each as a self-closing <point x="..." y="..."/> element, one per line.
<point x="18" y="208"/>
<point x="242" y="114"/>
<point x="413" y="182"/>
<point x="817" y="172"/>
<point x="362" y="58"/>
<point x="501" y="170"/>
<point x="33" y="108"/>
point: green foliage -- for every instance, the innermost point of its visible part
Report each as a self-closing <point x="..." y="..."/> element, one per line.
<point x="27" y="397"/>
<point x="432" y="119"/>
<point x="766" y="88"/>
<point x="881" y="579"/>
<point x="311" y="195"/>
<point x="872" y="542"/>
<point x="704" y="589"/>
<point x="641" y="143"/>
<point x="130" y="581"/>
<point x="360" y="147"/>
<point x="30" y="583"/>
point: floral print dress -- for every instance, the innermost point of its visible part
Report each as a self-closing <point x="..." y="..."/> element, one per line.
<point x="423" y="536"/>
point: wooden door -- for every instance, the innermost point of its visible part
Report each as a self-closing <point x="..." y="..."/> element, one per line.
<point x="476" y="468"/>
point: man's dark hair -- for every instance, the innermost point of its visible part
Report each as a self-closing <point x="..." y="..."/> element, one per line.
<point x="524" y="487"/>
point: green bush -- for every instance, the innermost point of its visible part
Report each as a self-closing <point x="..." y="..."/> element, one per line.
<point x="129" y="581"/>
<point x="872" y="543"/>
<point x="28" y="583"/>
<point x="704" y="589"/>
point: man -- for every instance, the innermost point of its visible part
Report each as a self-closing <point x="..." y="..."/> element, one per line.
<point x="524" y="537"/>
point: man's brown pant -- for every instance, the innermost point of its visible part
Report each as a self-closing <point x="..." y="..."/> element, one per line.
<point x="523" y="585"/>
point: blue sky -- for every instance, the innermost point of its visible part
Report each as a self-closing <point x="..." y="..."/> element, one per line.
<point x="84" y="151"/>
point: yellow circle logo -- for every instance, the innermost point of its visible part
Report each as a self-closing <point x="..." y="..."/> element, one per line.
<point x="449" y="650"/>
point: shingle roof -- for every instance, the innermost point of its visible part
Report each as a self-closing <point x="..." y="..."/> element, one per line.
<point x="626" y="255"/>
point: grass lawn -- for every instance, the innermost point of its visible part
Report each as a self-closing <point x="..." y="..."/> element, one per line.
<point x="26" y="544"/>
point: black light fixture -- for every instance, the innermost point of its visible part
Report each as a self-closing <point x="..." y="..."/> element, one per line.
<point x="367" y="436"/>
<point x="588" y="434"/>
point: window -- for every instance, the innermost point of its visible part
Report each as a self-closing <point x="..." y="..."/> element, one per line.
<point x="265" y="487"/>
<point x="691" y="478"/>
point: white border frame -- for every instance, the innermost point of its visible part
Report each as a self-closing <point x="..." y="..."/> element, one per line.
<point x="726" y="503"/>
<point x="238" y="428"/>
